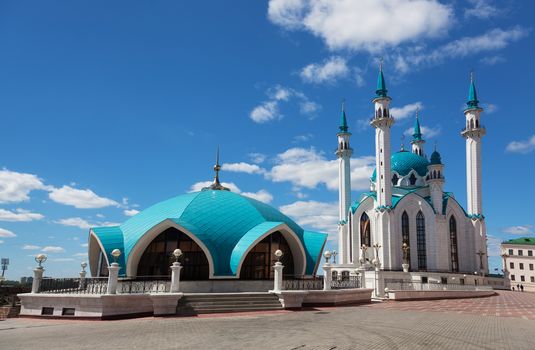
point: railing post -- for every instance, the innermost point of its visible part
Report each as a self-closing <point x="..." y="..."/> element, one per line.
<point x="113" y="277"/>
<point x="327" y="276"/>
<point x="175" y="277"/>
<point x="277" y="280"/>
<point x="37" y="278"/>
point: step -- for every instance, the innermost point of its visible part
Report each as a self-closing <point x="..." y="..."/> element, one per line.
<point x="198" y="307"/>
<point x="229" y="310"/>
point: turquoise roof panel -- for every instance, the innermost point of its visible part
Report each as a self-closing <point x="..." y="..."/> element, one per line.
<point x="314" y="243"/>
<point x="112" y="238"/>
<point x="403" y="162"/>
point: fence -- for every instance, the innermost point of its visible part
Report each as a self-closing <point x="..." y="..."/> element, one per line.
<point x="97" y="285"/>
<point x="346" y="282"/>
<point x="419" y="286"/>
<point x="315" y="283"/>
<point x="144" y="286"/>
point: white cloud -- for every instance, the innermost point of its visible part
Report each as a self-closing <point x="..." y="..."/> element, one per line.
<point x="489" y="108"/>
<point x="53" y="249"/>
<point x="314" y="215"/>
<point x="257" y="157"/>
<point x="82" y="255"/>
<point x="494" y="246"/>
<point x="19" y="215"/>
<point x="406" y="111"/>
<point x="270" y="110"/>
<point x="31" y="247"/>
<point x="492" y="60"/>
<point x="15" y="187"/>
<point x="482" y="9"/>
<point x="492" y="40"/>
<point x="525" y="146"/>
<point x="130" y="212"/>
<point x="85" y="245"/>
<point x="428" y="133"/>
<point x="62" y="259"/>
<point x="81" y="199"/>
<point x="75" y="222"/>
<point x="243" y="167"/>
<point x="262" y="196"/>
<point x="370" y="25"/>
<point x="307" y="168"/>
<point x="303" y="138"/>
<point x="328" y="71"/>
<point x="1" y="241"/>
<point x="519" y="230"/>
<point x="6" y="233"/>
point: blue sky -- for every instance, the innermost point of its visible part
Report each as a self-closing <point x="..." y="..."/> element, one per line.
<point x="109" y="107"/>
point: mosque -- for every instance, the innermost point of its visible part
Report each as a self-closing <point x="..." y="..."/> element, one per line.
<point x="407" y="221"/>
<point x="222" y="235"/>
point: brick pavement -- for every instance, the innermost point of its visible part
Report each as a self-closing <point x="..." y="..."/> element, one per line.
<point x="379" y="326"/>
<point x="505" y="304"/>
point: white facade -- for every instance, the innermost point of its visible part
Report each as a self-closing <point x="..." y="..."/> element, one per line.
<point x="407" y="204"/>
<point x="519" y="264"/>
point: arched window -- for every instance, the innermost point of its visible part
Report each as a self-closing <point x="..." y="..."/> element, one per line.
<point x="405" y="233"/>
<point x="259" y="261"/>
<point x="365" y="230"/>
<point x="434" y="174"/>
<point x="412" y="179"/>
<point x="477" y="123"/>
<point x="453" y="245"/>
<point x="395" y="179"/>
<point x="472" y="124"/>
<point x="334" y="275"/>
<point x="384" y="112"/>
<point x="157" y="258"/>
<point x="420" y="241"/>
<point x="345" y="275"/>
<point x="439" y="174"/>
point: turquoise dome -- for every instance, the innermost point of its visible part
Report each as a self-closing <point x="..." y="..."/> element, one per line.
<point x="225" y="222"/>
<point x="435" y="158"/>
<point x="403" y="162"/>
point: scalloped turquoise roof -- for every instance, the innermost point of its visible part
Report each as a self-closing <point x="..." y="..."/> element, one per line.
<point x="222" y="220"/>
<point x="403" y="162"/>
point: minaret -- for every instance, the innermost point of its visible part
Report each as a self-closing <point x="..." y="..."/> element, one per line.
<point x="343" y="153"/>
<point x="436" y="181"/>
<point x="216" y="185"/>
<point x="417" y="140"/>
<point x="473" y="132"/>
<point x="382" y="122"/>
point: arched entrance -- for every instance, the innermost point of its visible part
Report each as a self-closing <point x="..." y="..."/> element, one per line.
<point x="157" y="258"/>
<point x="258" y="263"/>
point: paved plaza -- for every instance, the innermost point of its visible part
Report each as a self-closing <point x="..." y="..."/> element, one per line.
<point x="505" y="321"/>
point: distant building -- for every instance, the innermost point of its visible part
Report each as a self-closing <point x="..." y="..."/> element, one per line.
<point x="26" y="280"/>
<point x="520" y="262"/>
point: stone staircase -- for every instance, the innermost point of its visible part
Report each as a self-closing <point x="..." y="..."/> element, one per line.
<point x="207" y="303"/>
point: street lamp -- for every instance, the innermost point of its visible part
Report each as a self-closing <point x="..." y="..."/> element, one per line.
<point x="278" y="254"/>
<point x="334" y="256"/>
<point x="40" y="259"/>
<point x="5" y="262"/>
<point x="83" y="265"/>
<point x="327" y="256"/>
<point x="116" y="253"/>
<point x="480" y="253"/>
<point x="177" y="253"/>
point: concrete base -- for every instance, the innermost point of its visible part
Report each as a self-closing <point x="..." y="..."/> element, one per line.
<point x="291" y="299"/>
<point x="165" y="304"/>
<point x="338" y="297"/>
<point x="438" y="294"/>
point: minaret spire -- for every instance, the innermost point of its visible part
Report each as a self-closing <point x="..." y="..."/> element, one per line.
<point x="381" y="90"/>
<point x="472" y="102"/>
<point x="417" y="140"/>
<point x="343" y="120"/>
<point x="216" y="185"/>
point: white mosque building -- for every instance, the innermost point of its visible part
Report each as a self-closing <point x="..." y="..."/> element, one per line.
<point x="407" y="221"/>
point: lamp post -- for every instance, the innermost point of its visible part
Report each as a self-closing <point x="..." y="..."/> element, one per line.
<point x="406" y="264"/>
<point x="376" y="262"/>
<point x="480" y="253"/>
<point x="327" y="271"/>
<point x="277" y="268"/>
<point x="38" y="272"/>
<point x="334" y="254"/>
<point x="175" y="272"/>
<point x="113" y="272"/>
<point x="5" y="263"/>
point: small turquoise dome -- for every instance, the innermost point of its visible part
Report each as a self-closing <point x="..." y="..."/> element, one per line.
<point x="403" y="162"/>
<point x="226" y="223"/>
<point x="435" y="158"/>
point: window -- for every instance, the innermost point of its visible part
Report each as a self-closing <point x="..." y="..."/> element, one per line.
<point x="522" y="279"/>
<point x="532" y="279"/>
<point x="520" y="252"/>
<point x="424" y="279"/>
<point x="395" y="179"/>
<point x="47" y="311"/>
<point x="511" y="265"/>
<point x="335" y="275"/>
<point x="365" y="230"/>
<point x="510" y="252"/>
<point x="530" y="252"/>
<point x="521" y="266"/>
<point x="531" y="267"/>
<point x="67" y="311"/>
<point x="444" y="280"/>
<point x="461" y="280"/>
<point x="412" y="179"/>
<point x="420" y="241"/>
<point x="453" y="245"/>
<point x="512" y="277"/>
<point x="405" y="233"/>
<point x="345" y="275"/>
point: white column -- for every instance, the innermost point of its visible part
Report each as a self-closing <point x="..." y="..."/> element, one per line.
<point x="277" y="281"/>
<point x="113" y="277"/>
<point x="175" y="277"/>
<point x="37" y="277"/>
<point x="327" y="276"/>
